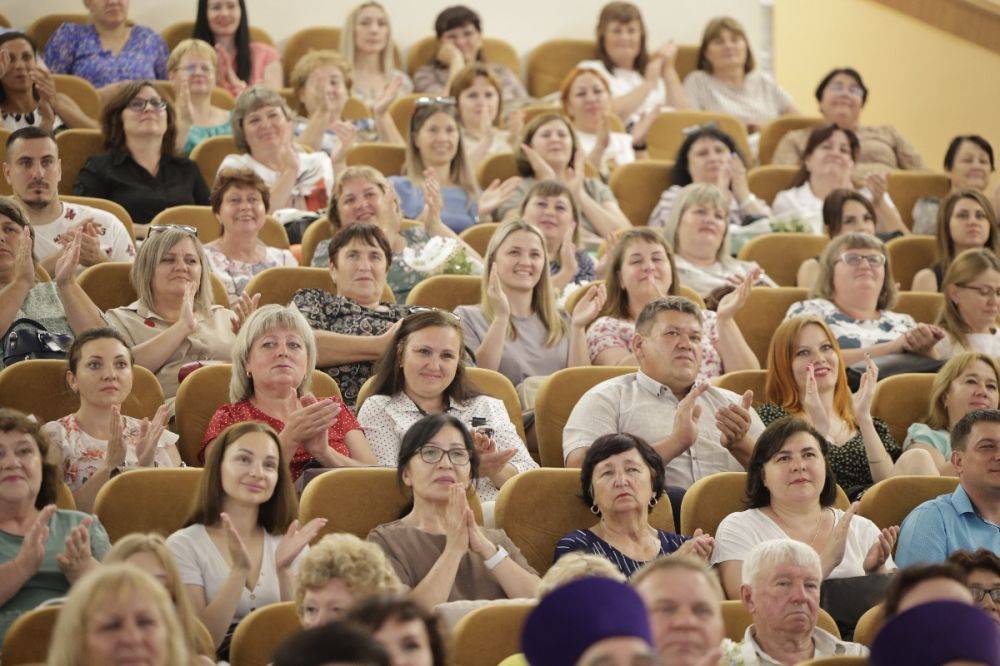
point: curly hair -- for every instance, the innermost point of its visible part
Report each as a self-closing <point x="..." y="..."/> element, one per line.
<point x="362" y="565"/>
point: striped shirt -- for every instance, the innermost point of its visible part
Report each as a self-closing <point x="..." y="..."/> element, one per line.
<point x="588" y="542"/>
<point x="759" y="100"/>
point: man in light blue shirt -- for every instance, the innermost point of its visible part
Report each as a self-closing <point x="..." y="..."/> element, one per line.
<point x="969" y="518"/>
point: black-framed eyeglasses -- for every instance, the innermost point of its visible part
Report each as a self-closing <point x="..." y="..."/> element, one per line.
<point x="853" y="259"/>
<point x="694" y="129"/>
<point x="981" y="289"/>
<point x="138" y="104"/>
<point x="157" y="228"/>
<point x="435" y="101"/>
<point x="432" y="455"/>
<point x="979" y="594"/>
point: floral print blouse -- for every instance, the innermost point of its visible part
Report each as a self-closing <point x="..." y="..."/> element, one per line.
<point x="235" y="275"/>
<point x="854" y="333"/>
<point x="76" y="49"/>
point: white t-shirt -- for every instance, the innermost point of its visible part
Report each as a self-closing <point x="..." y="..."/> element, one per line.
<point x="623" y="81"/>
<point x="801" y="202"/>
<point x="739" y="532"/>
<point x="115" y="241"/>
<point x="618" y="152"/>
<point x="984" y="343"/>
<point x="313" y="184"/>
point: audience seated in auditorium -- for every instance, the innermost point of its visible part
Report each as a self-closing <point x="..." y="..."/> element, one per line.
<point x="827" y="164"/>
<point x="407" y="631"/>
<point x="108" y="50"/>
<point x="938" y="632"/>
<point x="966" y="221"/>
<point x="967" y="518"/>
<point x="139" y="171"/>
<point x="727" y="80"/>
<point x="241" y="63"/>
<point x="982" y="570"/>
<point x="806" y="378"/>
<point x="842" y="96"/>
<point x="709" y="155"/>
<point x="460" y="44"/>
<point x="471" y="562"/>
<point x="192" y="71"/>
<point x="244" y="512"/>
<point x="33" y="170"/>
<point x="273" y="357"/>
<point x="29" y="95"/>
<point x="366" y="43"/>
<point x="548" y="150"/>
<point x="240" y="201"/>
<point x="338" y="572"/>
<point x="478" y="96"/>
<point x="516" y="327"/>
<point x="844" y="211"/>
<point x="550" y="206"/>
<point x="968" y="163"/>
<point x="423" y="372"/>
<point x="43" y="550"/>
<point x="621" y="479"/>
<point x="98" y="442"/>
<point x="971" y="289"/>
<point x="696" y="429"/>
<point x="853" y="294"/>
<point x="641" y="270"/>
<point x="642" y="83"/>
<point x="352" y="328"/>
<point x="780" y="574"/>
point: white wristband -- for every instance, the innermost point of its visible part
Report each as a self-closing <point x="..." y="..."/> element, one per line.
<point x="497" y="558"/>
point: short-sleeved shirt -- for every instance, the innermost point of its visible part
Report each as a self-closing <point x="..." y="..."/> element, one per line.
<point x="48" y="582"/>
<point x="984" y="343"/>
<point x="748" y="652"/>
<point x="405" y="88"/>
<point x="939" y="527"/>
<point x="337" y="314"/>
<point x="758" y="100"/>
<point x="739" y="532"/>
<point x="595" y="187"/>
<point x="854" y="333"/>
<point x="661" y="213"/>
<point x="235" y="274"/>
<point x="706" y="279"/>
<point x="412" y="552"/>
<point x="921" y="433"/>
<point x="585" y="541"/>
<point x="114" y="239"/>
<point x="618" y="152"/>
<point x="313" y="183"/>
<point x="198" y="133"/>
<point x="76" y="49"/>
<point x="524" y="356"/>
<point x="458" y="211"/>
<point x="433" y="79"/>
<point x="261" y="55"/>
<point x="118" y="177"/>
<point x="622" y="81"/>
<point x="801" y="202"/>
<point x="882" y="147"/>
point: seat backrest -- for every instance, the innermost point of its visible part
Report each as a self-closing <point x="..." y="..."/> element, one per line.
<point x="175" y="33"/>
<point x="75" y="146"/>
<point x="666" y="134"/>
<point x="924" y="306"/>
<point x="167" y="499"/>
<point x="889" y="501"/>
<point x="209" y="228"/>
<point x="909" y="254"/>
<point x="869" y="625"/>
<point x="401" y="111"/>
<point x="64" y="497"/>
<point x="208" y="155"/>
<point x="28" y="637"/>
<point x="537" y="532"/>
<point x="279" y="284"/>
<point x="446" y="292"/>
<point x="764" y="310"/>
<point x="737" y="618"/>
<point x="767" y="181"/>
<point x="81" y="91"/>
<point x="423" y="51"/>
<point x="479" y="235"/>
<point x="903" y="400"/>
<point x="386" y="158"/>
<point x="302" y="42"/>
<point x="772" y="133"/>
<point x="741" y="381"/>
<point x="205" y="390"/>
<point x="550" y="61"/>
<point x="106" y="205"/>
<point x="259" y="634"/>
<point x="498" y="166"/>
<point x="781" y="254"/>
<point x="42" y="28"/>
<point x="56" y="400"/>
<point x="356" y="500"/>
<point x="317" y="231"/>
<point x="109" y="286"/>
<point x="488" y="635"/>
<point x="638" y="186"/>
<point x="905" y="187"/>
<point x="555" y="401"/>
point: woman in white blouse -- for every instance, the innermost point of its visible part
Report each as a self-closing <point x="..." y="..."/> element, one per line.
<point x="240" y="548"/>
<point x="423" y="372"/>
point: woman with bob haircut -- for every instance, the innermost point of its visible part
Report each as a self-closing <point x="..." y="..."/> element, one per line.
<point x="423" y="372"/>
<point x="240" y="547"/>
<point x="149" y="552"/>
<point x="791" y="490"/>
<point x="968" y="381"/>
<point x="806" y="379"/>
<point x="43" y="550"/>
<point x="516" y="329"/>
<point x="225" y="25"/>
<point x="408" y="632"/>
<point x="844" y="211"/>
<point x="969" y="165"/>
<point x="139" y="169"/>
<point x="338" y="572"/>
<point x="366" y="44"/>
<point x="273" y="357"/>
<point x="115" y="604"/>
<point x="192" y="68"/>
<point x="853" y="294"/>
<point x="966" y="221"/>
<point x="438" y="461"/>
<point x="971" y="289"/>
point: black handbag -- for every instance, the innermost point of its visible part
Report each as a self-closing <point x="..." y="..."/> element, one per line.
<point x="26" y="339"/>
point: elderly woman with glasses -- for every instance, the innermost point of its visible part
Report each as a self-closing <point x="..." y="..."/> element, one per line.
<point x="192" y="66"/>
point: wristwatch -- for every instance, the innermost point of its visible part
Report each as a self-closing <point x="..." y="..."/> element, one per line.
<point x="497" y="558"/>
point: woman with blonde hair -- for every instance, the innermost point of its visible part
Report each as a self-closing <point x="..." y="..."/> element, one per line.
<point x="192" y="67"/>
<point x="112" y="608"/>
<point x="366" y="44"/>
<point x="966" y="221"/>
<point x="971" y="289"/>
<point x="149" y="552"/>
<point x="516" y="328"/>
<point x="966" y="382"/>
<point x="806" y="378"/>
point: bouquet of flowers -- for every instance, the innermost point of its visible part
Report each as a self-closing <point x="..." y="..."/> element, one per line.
<point x="441" y="256"/>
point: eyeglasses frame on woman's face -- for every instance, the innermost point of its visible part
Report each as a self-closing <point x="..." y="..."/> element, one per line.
<point x="979" y="594"/>
<point x="432" y="455"/>
<point x="854" y="259"/>
<point x="140" y="104"/>
<point x="982" y="290"/>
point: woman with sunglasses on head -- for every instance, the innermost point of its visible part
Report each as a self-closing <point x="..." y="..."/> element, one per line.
<point x="437" y="548"/>
<point x="191" y="67"/>
<point x="966" y="221"/>
<point x="366" y="43"/>
<point x="139" y="171"/>
<point x="971" y="289"/>
<point x="224" y="24"/>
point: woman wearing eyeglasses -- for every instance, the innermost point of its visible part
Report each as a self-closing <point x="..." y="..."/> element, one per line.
<point x="437" y="548"/>
<point x="191" y="69"/>
<point x="139" y="169"/>
<point x="853" y="294"/>
<point x="971" y="289"/>
<point x="966" y="221"/>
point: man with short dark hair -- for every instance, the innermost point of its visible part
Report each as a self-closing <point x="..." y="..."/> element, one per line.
<point x="968" y="518"/>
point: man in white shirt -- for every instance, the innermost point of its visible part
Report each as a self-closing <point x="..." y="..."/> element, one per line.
<point x="32" y="168"/>
<point x="697" y="430"/>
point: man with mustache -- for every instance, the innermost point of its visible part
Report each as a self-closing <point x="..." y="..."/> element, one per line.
<point x="32" y="168"/>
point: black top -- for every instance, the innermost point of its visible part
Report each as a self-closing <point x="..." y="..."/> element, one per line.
<point x="118" y="177"/>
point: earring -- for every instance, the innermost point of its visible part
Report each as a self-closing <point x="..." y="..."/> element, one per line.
<point x="595" y="510"/>
<point x="652" y="502"/>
